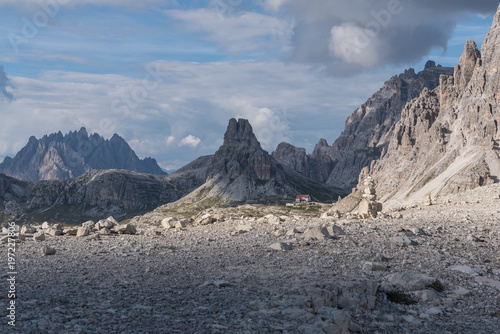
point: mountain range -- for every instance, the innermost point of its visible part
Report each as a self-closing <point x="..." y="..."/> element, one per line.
<point x="434" y="132"/>
<point x="58" y="157"/>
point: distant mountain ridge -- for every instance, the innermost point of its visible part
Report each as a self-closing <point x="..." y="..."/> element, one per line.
<point x="60" y="157"/>
<point x="367" y="133"/>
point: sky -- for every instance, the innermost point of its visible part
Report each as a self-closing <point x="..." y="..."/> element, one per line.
<point x="168" y="75"/>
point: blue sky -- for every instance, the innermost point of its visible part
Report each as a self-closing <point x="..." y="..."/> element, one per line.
<point x="168" y="75"/>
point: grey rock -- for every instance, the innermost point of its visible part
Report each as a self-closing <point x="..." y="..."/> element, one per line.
<point x="410" y="281"/>
<point x="46" y="250"/>
<point x="82" y="231"/>
<point x="317" y="233"/>
<point x="39" y="236"/>
<point x="28" y="229"/>
<point x="281" y="246"/>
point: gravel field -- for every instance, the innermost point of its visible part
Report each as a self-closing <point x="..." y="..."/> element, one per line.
<point x="419" y="270"/>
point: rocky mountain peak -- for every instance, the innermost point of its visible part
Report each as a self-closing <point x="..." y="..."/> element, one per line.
<point x="430" y="64"/>
<point x="368" y="130"/>
<point x="321" y="148"/>
<point x="448" y="138"/>
<point x="57" y="156"/>
<point x="468" y="61"/>
<point x="240" y="132"/>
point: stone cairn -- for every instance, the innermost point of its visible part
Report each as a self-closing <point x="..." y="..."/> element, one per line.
<point x="369" y="207"/>
<point x="429" y="200"/>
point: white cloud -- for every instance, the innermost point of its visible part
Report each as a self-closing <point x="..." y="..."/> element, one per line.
<point x="190" y="141"/>
<point x="355" y="45"/>
<point x="283" y="101"/>
<point x="273" y="5"/>
<point x="170" y="140"/>
<point x="268" y="126"/>
<point x="239" y="33"/>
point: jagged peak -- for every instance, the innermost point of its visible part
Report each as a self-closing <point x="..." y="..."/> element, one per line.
<point x="430" y="64"/>
<point x="83" y="132"/>
<point x="471" y="52"/>
<point x="240" y="132"/>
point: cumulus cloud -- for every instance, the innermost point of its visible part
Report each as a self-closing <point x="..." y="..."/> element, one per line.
<point x="4" y="82"/>
<point x="348" y="36"/>
<point x="190" y="141"/>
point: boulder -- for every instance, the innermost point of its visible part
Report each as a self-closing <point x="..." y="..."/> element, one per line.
<point x="71" y="231"/>
<point x="39" y="236"/>
<point x="410" y="281"/>
<point x="124" y="229"/>
<point x="46" y="250"/>
<point x="82" y="231"/>
<point x="182" y="223"/>
<point x="169" y="222"/>
<point x="317" y="233"/>
<point x="28" y="229"/>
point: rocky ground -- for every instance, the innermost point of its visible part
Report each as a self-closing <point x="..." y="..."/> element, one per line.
<point x="416" y="270"/>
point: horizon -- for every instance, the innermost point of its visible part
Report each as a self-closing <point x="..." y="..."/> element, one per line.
<point x="167" y="76"/>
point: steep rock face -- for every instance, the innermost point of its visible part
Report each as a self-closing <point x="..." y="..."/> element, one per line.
<point x="241" y="171"/>
<point x="368" y="130"/>
<point x="448" y="139"/>
<point x="292" y="157"/>
<point x="58" y="157"/>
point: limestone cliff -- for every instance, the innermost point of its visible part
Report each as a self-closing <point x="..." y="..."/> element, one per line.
<point x="58" y="157"/>
<point x="448" y="138"/>
<point x="367" y="131"/>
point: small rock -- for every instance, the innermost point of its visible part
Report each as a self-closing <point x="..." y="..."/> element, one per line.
<point x="491" y="282"/>
<point x="46" y="250"/>
<point x="461" y="292"/>
<point x="4" y="239"/>
<point x="463" y="269"/>
<point x="434" y="311"/>
<point x="317" y="233"/>
<point x="39" y="236"/>
<point x="374" y="266"/>
<point x="222" y="283"/>
<point x="281" y="246"/>
<point x="402" y="241"/>
<point x="45" y="225"/>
